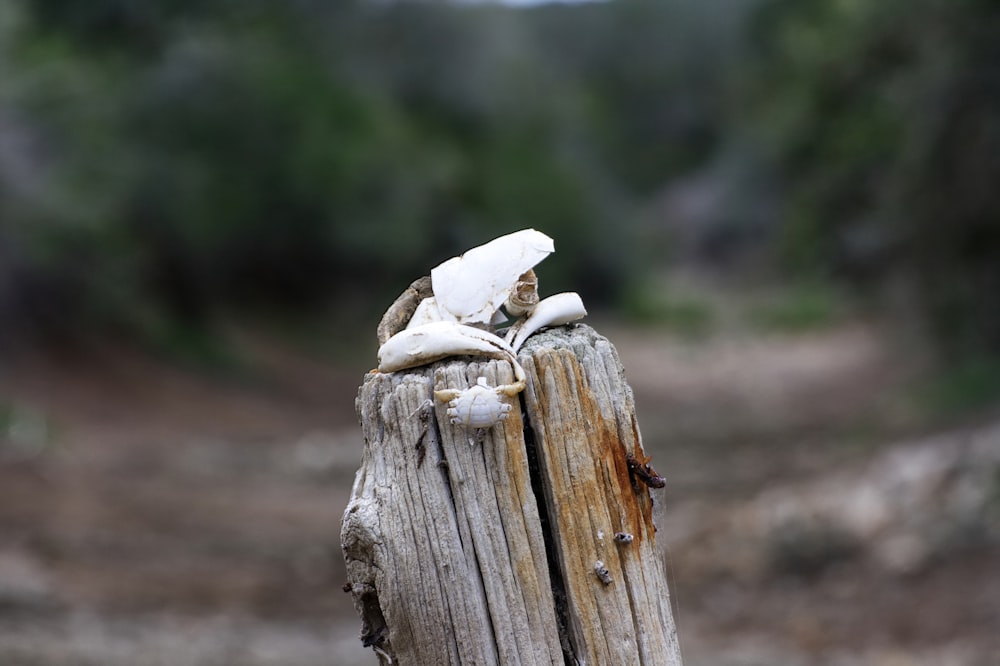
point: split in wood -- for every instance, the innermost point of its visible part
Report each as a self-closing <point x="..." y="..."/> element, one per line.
<point x="374" y="638"/>
<point x="405" y="530"/>
<point x="423" y="412"/>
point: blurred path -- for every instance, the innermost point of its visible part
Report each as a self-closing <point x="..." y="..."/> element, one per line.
<point x="160" y="516"/>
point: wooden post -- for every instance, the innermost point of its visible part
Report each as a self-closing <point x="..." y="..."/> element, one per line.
<point x="504" y="551"/>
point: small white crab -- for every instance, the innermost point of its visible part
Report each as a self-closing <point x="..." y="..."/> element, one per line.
<point x="479" y="406"/>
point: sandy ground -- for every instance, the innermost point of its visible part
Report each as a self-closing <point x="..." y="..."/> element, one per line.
<point x="152" y="515"/>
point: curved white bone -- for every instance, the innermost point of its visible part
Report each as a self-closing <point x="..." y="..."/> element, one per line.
<point x="552" y="311"/>
<point x="432" y="342"/>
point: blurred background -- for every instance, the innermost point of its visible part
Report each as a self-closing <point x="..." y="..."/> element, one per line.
<point x="785" y="215"/>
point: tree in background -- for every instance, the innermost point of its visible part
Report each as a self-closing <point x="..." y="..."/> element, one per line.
<point x="884" y="121"/>
<point x="211" y="156"/>
<point x="191" y="158"/>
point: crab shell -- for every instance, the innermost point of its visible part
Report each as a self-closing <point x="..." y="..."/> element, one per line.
<point x="479" y="406"/>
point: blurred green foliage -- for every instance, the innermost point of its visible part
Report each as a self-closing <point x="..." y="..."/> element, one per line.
<point x="972" y="384"/>
<point x="178" y="159"/>
<point x="683" y="315"/>
<point x="883" y="120"/>
<point x="805" y="306"/>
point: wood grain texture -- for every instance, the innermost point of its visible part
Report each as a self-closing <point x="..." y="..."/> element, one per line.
<point x="583" y="416"/>
<point x="467" y="552"/>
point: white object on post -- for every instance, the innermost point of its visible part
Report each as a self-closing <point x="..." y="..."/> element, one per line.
<point x="431" y="342"/>
<point x="552" y="311"/>
<point x="472" y="287"/>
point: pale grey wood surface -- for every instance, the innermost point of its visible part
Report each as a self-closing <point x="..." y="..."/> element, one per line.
<point x="450" y="557"/>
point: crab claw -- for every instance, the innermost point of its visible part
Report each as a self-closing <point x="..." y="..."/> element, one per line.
<point x="552" y="311"/>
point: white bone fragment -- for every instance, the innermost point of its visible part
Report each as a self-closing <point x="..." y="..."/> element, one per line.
<point x="431" y="342"/>
<point x="552" y="311"/>
<point x="427" y="312"/>
<point x="472" y="287"/>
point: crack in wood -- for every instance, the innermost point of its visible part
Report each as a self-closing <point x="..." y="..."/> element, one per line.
<point x="555" y="575"/>
<point x="487" y="556"/>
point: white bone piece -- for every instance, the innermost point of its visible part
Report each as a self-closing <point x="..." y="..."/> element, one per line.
<point x="552" y="311"/>
<point x="472" y="287"/>
<point x="431" y="342"/>
<point x="428" y="311"/>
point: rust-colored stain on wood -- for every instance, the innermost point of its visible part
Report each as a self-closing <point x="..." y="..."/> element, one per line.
<point x="581" y="411"/>
<point x="592" y="437"/>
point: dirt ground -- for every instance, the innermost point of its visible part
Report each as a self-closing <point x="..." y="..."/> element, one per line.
<point x="155" y="515"/>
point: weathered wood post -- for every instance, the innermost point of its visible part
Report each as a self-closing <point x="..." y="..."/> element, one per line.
<point x="532" y="543"/>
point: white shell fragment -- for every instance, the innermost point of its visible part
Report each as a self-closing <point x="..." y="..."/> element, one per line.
<point x="552" y="311"/>
<point x="432" y="342"/>
<point x="472" y="287"/>
<point x="428" y="312"/>
<point x="479" y="406"/>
